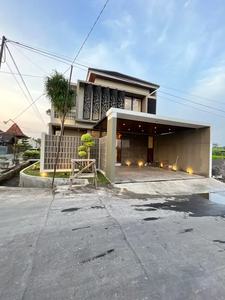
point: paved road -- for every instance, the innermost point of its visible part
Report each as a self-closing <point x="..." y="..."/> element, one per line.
<point x="108" y="245"/>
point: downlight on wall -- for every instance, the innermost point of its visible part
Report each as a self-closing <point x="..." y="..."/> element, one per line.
<point x="140" y="163"/>
<point x="128" y="163"/>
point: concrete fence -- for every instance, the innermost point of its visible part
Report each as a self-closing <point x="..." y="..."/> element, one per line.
<point x="68" y="151"/>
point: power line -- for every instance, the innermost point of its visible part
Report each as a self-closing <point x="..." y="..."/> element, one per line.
<point x="28" y="75"/>
<point x="28" y="107"/>
<point x="194" y="95"/>
<point x="61" y="56"/>
<point x="192" y="101"/>
<point x="192" y="107"/>
<point x="38" y="113"/>
<point x="22" y="92"/>
<point x="54" y="57"/>
<point x="30" y="60"/>
<point x="89" y="33"/>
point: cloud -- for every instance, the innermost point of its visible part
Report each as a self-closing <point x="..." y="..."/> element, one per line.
<point x="186" y="4"/>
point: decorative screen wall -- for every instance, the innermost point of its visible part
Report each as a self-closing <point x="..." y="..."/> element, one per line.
<point x="98" y="100"/>
<point x="68" y="151"/>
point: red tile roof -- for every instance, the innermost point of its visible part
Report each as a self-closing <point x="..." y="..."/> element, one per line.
<point x="15" y="130"/>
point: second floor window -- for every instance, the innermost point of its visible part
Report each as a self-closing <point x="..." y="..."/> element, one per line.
<point x="132" y="104"/>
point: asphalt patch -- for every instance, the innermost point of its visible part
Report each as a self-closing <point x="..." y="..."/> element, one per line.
<point x="219" y="241"/>
<point x="193" y="205"/>
<point x="97" y="256"/>
<point x="70" y="209"/>
<point x="79" y="228"/>
<point x="186" y="230"/>
<point x="151" y="219"/>
<point x="98" y="207"/>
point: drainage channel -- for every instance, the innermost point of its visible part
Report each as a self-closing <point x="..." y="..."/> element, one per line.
<point x="14" y="175"/>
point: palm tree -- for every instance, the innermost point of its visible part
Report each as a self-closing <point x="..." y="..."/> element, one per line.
<point x="61" y="95"/>
<point x="56" y="87"/>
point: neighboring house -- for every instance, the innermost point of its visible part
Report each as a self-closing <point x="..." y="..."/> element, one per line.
<point x="9" y="138"/>
<point x="124" y="108"/>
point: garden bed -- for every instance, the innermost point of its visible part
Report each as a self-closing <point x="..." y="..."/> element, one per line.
<point x="35" y="171"/>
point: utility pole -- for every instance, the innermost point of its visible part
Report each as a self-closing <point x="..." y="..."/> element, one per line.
<point x="2" y="49"/>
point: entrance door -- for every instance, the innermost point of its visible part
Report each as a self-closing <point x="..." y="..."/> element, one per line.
<point x="150" y="149"/>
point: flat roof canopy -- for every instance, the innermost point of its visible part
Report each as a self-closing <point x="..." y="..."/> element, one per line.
<point x="143" y="123"/>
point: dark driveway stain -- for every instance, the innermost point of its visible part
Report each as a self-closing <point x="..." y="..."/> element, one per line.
<point x="151" y="219"/>
<point x="98" y="207"/>
<point x="193" y="205"/>
<point x="186" y="230"/>
<point x="70" y="209"/>
<point x="97" y="256"/>
<point x="219" y="241"/>
<point x="80" y="228"/>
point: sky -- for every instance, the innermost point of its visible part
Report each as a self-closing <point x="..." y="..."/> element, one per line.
<point x="178" y="45"/>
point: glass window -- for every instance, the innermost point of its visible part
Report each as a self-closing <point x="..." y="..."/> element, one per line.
<point x="136" y="104"/>
<point x="128" y="103"/>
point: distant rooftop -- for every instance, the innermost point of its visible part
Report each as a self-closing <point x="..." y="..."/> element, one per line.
<point x="123" y="76"/>
<point x="15" y="131"/>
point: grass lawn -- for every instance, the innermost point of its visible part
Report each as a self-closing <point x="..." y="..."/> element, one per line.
<point x="216" y="156"/>
<point x="35" y="171"/>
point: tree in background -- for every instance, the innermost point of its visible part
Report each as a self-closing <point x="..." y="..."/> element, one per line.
<point x="38" y="142"/>
<point x="48" y="112"/>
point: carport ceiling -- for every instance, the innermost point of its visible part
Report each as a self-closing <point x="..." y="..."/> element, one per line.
<point x="130" y="126"/>
<point x="146" y="128"/>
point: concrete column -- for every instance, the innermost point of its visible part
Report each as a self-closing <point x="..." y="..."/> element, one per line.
<point x="111" y="147"/>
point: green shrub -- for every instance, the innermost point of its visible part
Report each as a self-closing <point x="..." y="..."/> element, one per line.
<point x="3" y="157"/>
<point x="82" y="148"/>
<point x="31" y="154"/>
<point x="82" y="153"/>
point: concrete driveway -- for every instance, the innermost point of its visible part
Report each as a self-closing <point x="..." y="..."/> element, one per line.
<point x="108" y="244"/>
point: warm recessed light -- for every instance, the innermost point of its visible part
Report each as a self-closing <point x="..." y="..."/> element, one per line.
<point x="155" y="131"/>
<point x="139" y="125"/>
<point x="128" y="128"/>
<point x="169" y="129"/>
<point x="123" y="123"/>
<point x="142" y="130"/>
<point x="155" y="127"/>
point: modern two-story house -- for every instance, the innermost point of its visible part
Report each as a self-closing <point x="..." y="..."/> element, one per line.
<point x="124" y="109"/>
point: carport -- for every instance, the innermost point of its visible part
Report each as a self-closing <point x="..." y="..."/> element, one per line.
<point x="136" y="140"/>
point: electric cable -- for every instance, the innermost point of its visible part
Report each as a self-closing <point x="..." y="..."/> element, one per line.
<point x="192" y="107"/>
<point x="38" y="113"/>
<point x="192" y="101"/>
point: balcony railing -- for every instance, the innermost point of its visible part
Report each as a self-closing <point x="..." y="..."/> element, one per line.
<point x="70" y="116"/>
